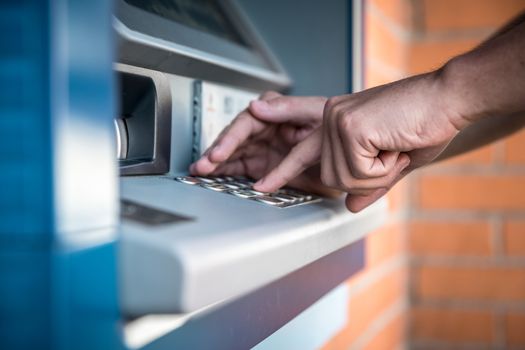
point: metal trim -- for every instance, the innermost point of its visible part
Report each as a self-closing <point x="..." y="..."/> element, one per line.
<point x="160" y="161"/>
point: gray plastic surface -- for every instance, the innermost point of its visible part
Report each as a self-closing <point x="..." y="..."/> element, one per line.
<point x="232" y="247"/>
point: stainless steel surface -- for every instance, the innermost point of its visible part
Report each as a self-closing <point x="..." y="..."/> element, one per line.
<point x="160" y="159"/>
<point x="122" y="138"/>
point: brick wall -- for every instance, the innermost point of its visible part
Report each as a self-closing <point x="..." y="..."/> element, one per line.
<point x="448" y="271"/>
<point x="467" y="215"/>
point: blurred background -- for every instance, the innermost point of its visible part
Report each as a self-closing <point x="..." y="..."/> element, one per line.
<point x="448" y="272"/>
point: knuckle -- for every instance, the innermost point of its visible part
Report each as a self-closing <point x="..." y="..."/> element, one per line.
<point x="331" y="106"/>
<point x="331" y="103"/>
<point x="346" y="121"/>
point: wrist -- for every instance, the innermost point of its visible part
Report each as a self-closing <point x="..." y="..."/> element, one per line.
<point x="458" y="92"/>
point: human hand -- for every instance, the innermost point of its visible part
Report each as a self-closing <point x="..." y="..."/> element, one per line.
<point x="260" y="137"/>
<point x="370" y="140"/>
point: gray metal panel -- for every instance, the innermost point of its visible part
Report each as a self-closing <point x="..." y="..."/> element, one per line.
<point x="233" y="245"/>
<point x="197" y="55"/>
<point x="159" y="164"/>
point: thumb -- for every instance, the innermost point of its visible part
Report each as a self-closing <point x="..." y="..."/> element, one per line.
<point x="295" y="109"/>
<point x="301" y="157"/>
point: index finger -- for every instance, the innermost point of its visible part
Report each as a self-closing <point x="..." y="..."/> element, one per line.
<point x="242" y="127"/>
<point x="302" y="156"/>
<point x="233" y="136"/>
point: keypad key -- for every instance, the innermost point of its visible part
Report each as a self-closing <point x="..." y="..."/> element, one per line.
<point x="216" y="187"/>
<point x="232" y="185"/>
<point x="258" y="193"/>
<point x="299" y="195"/>
<point x="242" y="193"/>
<point x="188" y="180"/>
<point x="205" y="179"/>
<point x="285" y="197"/>
<point x="269" y="200"/>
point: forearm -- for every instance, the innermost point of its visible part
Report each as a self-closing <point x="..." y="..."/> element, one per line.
<point x="482" y="133"/>
<point x="484" y="90"/>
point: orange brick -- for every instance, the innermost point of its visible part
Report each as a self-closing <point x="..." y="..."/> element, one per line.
<point x="382" y="45"/>
<point x="368" y="304"/>
<point x="450" y="325"/>
<point x="428" y="55"/>
<point x="514" y="237"/>
<point x="399" y="12"/>
<point x="385" y="243"/>
<point x="398" y="196"/>
<point x="374" y="77"/>
<point x="515" y="148"/>
<point x="472" y="192"/>
<point x="468" y="14"/>
<point x="515" y="329"/>
<point x="450" y="238"/>
<point x="382" y="245"/>
<point x="390" y="336"/>
<point x="483" y="156"/>
<point x="474" y="283"/>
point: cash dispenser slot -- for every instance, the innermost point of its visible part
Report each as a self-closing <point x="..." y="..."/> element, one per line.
<point x="143" y="123"/>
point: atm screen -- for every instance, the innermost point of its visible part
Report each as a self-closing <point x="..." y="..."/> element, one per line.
<point x="203" y="15"/>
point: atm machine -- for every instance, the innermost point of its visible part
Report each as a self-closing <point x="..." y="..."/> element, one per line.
<point x="186" y="262"/>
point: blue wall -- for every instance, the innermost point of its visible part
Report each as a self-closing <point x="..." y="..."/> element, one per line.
<point x="52" y="295"/>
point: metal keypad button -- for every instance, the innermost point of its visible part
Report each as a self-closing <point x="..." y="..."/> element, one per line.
<point x="285" y="197"/>
<point x="241" y="187"/>
<point x="233" y="186"/>
<point x="242" y="193"/>
<point x="258" y="193"/>
<point x="216" y="187"/>
<point x="269" y="200"/>
<point x="205" y="179"/>
<point x="188" y="180"/>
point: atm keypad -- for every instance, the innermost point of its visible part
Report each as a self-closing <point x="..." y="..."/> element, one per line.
<point x="242" y="187"/>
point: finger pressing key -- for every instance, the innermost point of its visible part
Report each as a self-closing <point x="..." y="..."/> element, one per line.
<point x="302" y="156"/>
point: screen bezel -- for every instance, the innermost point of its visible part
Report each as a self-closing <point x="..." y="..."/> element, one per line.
<point x="254" y="59"/>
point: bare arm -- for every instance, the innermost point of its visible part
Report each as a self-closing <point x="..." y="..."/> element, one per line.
<point x="504" y="65"/>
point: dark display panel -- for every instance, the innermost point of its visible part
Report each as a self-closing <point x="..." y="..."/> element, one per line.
<point x="203" y="15"/>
